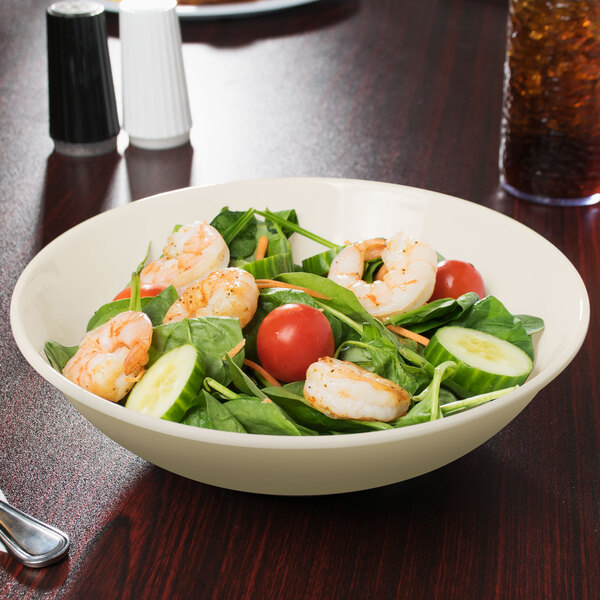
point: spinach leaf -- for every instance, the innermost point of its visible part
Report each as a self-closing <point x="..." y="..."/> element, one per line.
<point x="212" y="336"/>
<point x="427" y="407"/>
<point x="370" y="270"/>
<point x="268" y="267"/>
<point x="110" y="310"/>
<point x="211" y="414"/>
<point x="491" y="316"/>
<point x="242" y="230"/>
<point x="242" y="382"/>
<point x="156" y="308"/>
<point x="339" y="298"/>
<point x="434" y="314"/>
<point x="531" y="324"/>
<point x="302" y="412"/>
<point x="380" y="355"/>
<point x="264" y="417"/>
<point x="319" y="263"/>
<point x="238" y="230"/>
<point x="58" y="355"/>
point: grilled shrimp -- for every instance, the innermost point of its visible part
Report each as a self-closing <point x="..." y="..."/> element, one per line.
<point x="112" y="357"/>
<point x="409" y="268"/>
<point x="191" y="252"/>
<point x="227" y="292"/>
<point x="343" y="390"/>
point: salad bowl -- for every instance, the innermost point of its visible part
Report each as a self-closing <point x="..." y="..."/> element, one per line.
<point x="83" y="268"/>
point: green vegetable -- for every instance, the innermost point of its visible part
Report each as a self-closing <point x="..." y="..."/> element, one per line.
<point x="291" y="224"/>
<point x="293" y="402"/>
<point x="485" y="362"/>
<point x="156" y="308"/>
<point x="58" y="355"/>
<point x="264" y="417"/>
<point x="268" y="267"/>
<point x="169" y="387"/>
<point x="491" y="316"/>
<point x="427" y="406"/>
<point x="213" y="337"/>
<point x="211" y="414"/>
<point x="434" y="314"/>
<point x="319" y="263"/>
<point x="191" y="378"/>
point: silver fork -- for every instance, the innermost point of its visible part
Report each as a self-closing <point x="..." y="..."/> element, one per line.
<point x="31" y="542"/>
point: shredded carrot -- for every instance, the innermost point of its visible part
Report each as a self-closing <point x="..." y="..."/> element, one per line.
<point x="267" y="283"/>
<point x="261" y="247"/>
<point x="262" y="372"/>
<point x="421" y="339"/>
<point x="236" y="349"/>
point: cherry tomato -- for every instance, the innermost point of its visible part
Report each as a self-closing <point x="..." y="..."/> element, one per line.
<point x="291" y="338"/>
<point x="146" y="289"/>
<point x="454" y="278"/>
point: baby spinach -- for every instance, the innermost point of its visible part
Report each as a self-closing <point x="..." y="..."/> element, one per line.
<point x="319" y="263"/>
<point x="212" y="336"/>
<point x="427" y="404"/>
<point x="294" y="404"/>
<point x="385" y="362"/>
<point x="338" y="297"/>
<point x="268" y="267"/>
<point x="58" y="355"/>
<point x="242" y="230"/>
<point x="238" y="229"/>
<point x="211" y="414"/>
<point x="156" y="308"/>
<point x="243" y="382"/>
<point x="264" y="417"/>
<point x="253" y="409"/>
<point x="491" y="316"/>
<point x="434" y="314"/>
<point x="531" y="324"/>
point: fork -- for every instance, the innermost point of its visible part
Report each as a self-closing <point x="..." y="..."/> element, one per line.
<point x="30" y="541"/>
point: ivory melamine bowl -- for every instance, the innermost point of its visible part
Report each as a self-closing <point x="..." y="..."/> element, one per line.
<point x="518" y="265"/>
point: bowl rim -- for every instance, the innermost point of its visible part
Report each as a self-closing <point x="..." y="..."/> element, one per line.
<point x="77" y="395"/>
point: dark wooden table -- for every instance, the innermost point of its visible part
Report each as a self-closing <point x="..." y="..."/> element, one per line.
<point x="388" y="90"/>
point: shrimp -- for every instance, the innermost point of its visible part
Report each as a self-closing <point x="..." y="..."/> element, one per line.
<point x="112" y="357"/>
<point x="230" y="292"/>
<point x="343" y="390"/>
<point x="409" y="269"/>
<point x="191" y="252"/>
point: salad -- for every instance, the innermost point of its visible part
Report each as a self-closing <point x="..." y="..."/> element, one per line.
<point x="226" y="331"/>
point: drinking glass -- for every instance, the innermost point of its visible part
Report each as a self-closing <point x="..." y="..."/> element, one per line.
<point x="550" y="137"/>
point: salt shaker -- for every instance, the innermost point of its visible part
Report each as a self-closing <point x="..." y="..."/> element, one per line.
<point x="156" y="109"/>
<point x="83" y="111"/>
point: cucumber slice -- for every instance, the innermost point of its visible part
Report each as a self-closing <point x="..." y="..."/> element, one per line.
<point x="169" y="387"/>
<point x="485" y="362"/>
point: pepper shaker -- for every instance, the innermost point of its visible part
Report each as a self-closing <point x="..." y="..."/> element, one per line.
<point x="83" y="111"/>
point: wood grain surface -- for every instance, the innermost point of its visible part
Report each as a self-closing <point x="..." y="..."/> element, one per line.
<point x="387" y="90"/>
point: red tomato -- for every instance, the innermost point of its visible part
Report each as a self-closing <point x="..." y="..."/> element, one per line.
<point x="291" y="338"/>
<point x="147" y="289"/>
<point x="454" y="278"/>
